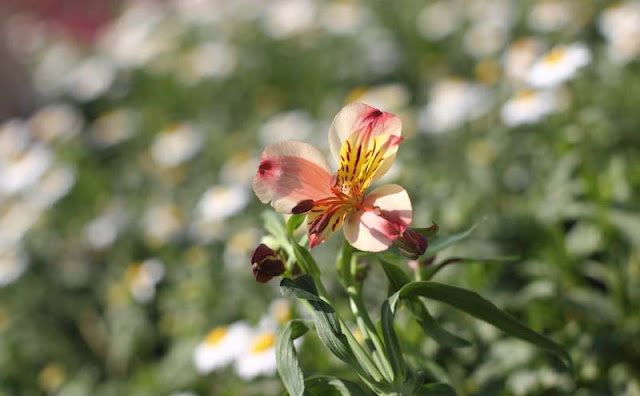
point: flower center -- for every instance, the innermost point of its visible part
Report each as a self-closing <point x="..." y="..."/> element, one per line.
<point x="555" y="56"/>
<point x="262" y="343"/>
<point x="216" y="335"/>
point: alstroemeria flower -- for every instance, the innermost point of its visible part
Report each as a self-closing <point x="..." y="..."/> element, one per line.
<point x="296" y="178"/>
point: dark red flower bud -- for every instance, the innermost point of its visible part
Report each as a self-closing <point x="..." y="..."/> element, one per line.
<point x="411" y="244"/>
<point x="266" y="263"/>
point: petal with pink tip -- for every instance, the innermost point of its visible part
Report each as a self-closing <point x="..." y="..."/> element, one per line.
<point x="363" y="118"/>
<point x="291" y="172"/>
<point x="375" y="229"/>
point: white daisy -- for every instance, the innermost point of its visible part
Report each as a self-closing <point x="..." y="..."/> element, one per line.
<point x="113" y="127"/>
<point x="452" y="102"/>
<point x="142" y="279"/>
<point x="528" y="107"/>
<point x="15" y="137"/>
<point x="176" y="144"/>
<point x="259" y="357"/>
<point x="221" y="346"/>
<point x="103" y="230"/>
<point x="90" y="78"/>
<point x="484" y="39"/>
<point x="56" y="121"/>
<point x="161" y="222"/>
<point x="295" y="124"/>
<point x="519" y="57"/>
<point x="54" y="185"/>
<point x="392" y="97"/>
<point x="13" y="262"/>
<point x="439" y="19"/>
<point x="24" y="170"/>
<point x="239" y="168"/>
<point x="15" y="220"/>
<point x="222" y="201"/>
<point x="558" y="65"/>
<point x="620" y="24"/>
<point x="209" y="60"/>
<point x="549" y="16"/>
<point x="287" y="18"/>
<point x="343" y="18"/>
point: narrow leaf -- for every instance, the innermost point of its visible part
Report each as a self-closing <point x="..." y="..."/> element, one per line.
<point x="323" y="386"/>
<point x="392" y="345"/>
<point x="480" y="308"/>
<point x="294" y="222"/>
<point x="397" y="277"/>
<point x="287" y="357"/>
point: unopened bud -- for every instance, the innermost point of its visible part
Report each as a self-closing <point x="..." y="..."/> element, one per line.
<point x="266" y="263"/>
<point x="411" y="244"/>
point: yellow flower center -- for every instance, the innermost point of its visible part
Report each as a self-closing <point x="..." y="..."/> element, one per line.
<point x="216" y="335"/>
<point x="525" y="94"/>
<point x="555" y="56"/>
<point x="263" y="342"/>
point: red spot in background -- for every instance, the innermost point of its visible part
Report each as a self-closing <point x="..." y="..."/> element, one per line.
<point x="80" y="19"/>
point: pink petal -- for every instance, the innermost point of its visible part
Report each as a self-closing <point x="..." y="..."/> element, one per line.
<point x="290" y="172"/>
<point x="364" y="119"/>
<point x="375" y="230"/>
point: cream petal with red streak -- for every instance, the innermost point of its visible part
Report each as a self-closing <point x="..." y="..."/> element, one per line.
<point x="290" y="172"/>
<point x="360" y="117"/>
<point x="375" y="230"/>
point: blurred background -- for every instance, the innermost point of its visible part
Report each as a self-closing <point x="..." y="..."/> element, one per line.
<point x="129" y="137"/>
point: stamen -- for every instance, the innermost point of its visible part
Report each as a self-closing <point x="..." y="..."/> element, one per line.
<point x="303" y="206"/>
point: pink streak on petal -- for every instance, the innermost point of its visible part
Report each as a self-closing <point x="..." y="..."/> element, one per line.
<point x="375" y="230"/>
<point x="291" y="172"/>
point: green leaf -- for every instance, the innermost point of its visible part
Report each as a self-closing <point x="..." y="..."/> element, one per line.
<point x="480" y="308"/>
<point x="326" y="386"/>
<point x="287" y="357"/>
<point x="441" y="243"/>
<point x="305" y="259"/>
<point x="326" y="321"/>
<point x="397" y="279"/>
<point x="294" y="222"/>
<point x="391" y="344"/>
<point x="432" y="328"/>
<point x="437" y="389"/>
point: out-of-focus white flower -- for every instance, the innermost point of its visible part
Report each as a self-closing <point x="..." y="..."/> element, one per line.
<point x="452" y="102"/>
<point x="176" y="145"/>
<point x="137" y="36"/>
<point x="113" y="127"/>
<point x="15" y="137"/>
<point x="90" y="78"/>
<point x="23" y="171"/>
<point x="222" y="201"/>
<point x="519" y="57"/>
<point x="260" y="356"/>
<point x="209" y="60"/>
<point x="439" y="19"/>
<point x="528" y="107"/>
<point x="343" y="18"/>
<point x="288" y="125"/>
<point x="239" y="168"/>
<point x="199" y="12"/>
<point x="103" y="231"/>
<point x="49" y="75"/>
<point x="620" y="24"/>
<point x="549" y="16"/>
<point x="184" y="394"/>
<point x="239" y="247"/>
<point x="286" y="18"/>
<point x="13" y="262"/>
<point x="558" y="65"/>
<point x="391" y="97"/>
<point x="56" y="121"/>
<point x="142" y="279"/>
<point x="485" y="38"/>
<point x="221" y="346"/>
<point x="15" y="220"/>
<point x="279" y="311"/>
<point x="161" y="223"/>
<point x="498" y="12"/>
<point x="54" y="185"/>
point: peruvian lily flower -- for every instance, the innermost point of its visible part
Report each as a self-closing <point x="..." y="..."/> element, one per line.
<point x="296" y="178"/>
